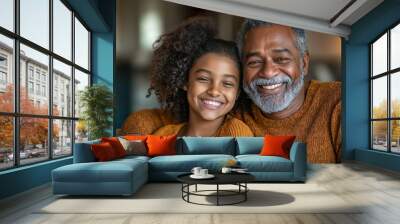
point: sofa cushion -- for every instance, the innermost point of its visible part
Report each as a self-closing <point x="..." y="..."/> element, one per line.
<point x="132" y="158"/>
<point x="185" y="163"/>
<point x="257" y="163"/>
<point x="277" y="145"/>
<point x="135" y="137"/>
<point x="161" y="145"/>
<point x="207" y="145"/>
<point x="133" y="147"/>
<point x="103" y="151"/>
<point x="111" y="171"/>
<point x="249" y="145"/>
<point x="116" y="145"/>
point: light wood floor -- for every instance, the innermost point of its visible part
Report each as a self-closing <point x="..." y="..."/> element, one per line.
<point x="377" y="188"/>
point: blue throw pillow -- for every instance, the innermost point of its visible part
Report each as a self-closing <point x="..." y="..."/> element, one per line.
<point x="249" y="145"/>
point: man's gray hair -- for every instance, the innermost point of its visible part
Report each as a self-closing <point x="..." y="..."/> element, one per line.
<point x="249" y="24"/>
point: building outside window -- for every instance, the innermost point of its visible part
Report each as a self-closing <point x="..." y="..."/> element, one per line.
<point x="38" y="89"/>
<point x="43" y="90"/>
<point x="37" y="75"/>
<point x="3" y="72"/>
<point x="3" y="78"/>
<point x="30" y="87"/>
<point x="44" y="78"/>
<point x="385" y="94"/>
<point x="55" y="96"/>
<point x="30" y="72"/>
<point x="3" y="61"/>
<point x="58" y="133"/>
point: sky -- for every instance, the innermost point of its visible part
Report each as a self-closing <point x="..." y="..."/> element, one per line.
<point x="35" y="27"/>
<point x="379" y="59"/>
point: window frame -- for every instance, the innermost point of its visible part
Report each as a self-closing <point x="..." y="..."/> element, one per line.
<point x="16" y="114"/>
<point x="388" y="74"/>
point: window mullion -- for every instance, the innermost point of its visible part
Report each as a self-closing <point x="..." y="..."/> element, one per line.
<point x="371" y="89"/>
<point x="73" y="83"/>
<point x="389" y="106"/>
<point x="50" y="81"/>
<point x="16" y="84"/>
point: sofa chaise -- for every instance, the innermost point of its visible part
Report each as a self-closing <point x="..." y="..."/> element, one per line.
<point x="126" y="175"/>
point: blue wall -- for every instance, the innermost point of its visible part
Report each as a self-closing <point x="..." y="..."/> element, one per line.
<point x="24" y="178"/>
<point x="103" y="51"/>
<point x="356" y="84"/>
<point x="99" y="15"/>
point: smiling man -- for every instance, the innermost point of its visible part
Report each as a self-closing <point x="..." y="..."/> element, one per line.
<point x="275" y="62"/>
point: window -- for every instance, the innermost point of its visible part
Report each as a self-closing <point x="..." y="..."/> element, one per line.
<point x="30" y="72"/>
<point x="385" y="94"/>
<point x="38" y="74"/>
<point x="81" y="45"/>
<point x="7" y="14"/>
<point x="30" y="87"/>
<point x="62" y="75"/>
<point x="3" y="61"/>
<point x="47" y="74"/>
<point x="3" y="78"/>
<point x="35" y="26"/>
<point x="62" y="30"/>
<point x="43" y="90"/>
<point x="7" y="88"/>
<point x="3" y="72"/>
<point x="38" y="89"/>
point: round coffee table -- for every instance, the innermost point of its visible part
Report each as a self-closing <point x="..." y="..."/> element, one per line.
<point x="238" y="179"/>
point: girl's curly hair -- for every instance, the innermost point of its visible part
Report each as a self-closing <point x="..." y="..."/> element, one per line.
<point x="175" y="53"/>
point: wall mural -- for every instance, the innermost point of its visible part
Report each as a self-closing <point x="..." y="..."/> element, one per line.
<point x="201" y="73"/>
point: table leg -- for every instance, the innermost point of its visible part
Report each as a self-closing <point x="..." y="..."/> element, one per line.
<point x="245" y="191"/>
<point x="217" y="194"/>
<point x="196" y="188"/>
<point x="188" y="189"/>
<point x="182" y="190"/>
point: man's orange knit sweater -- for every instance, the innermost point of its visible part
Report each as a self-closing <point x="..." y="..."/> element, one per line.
<point x="317" y="122"/>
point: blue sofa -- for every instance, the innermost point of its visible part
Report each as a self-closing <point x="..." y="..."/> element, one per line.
<point x="125" y="176"/>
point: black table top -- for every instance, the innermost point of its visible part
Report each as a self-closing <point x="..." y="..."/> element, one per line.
<point x="220" y="178"/>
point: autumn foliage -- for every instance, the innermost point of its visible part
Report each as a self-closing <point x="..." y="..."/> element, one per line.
<point x="380" y="127"/>
<point x="33" y="131"/>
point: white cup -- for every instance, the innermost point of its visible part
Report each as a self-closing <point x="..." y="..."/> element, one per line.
<point x="226" y="170"/>
<point x="196" y="170"/>
<point x="203" y="172"/>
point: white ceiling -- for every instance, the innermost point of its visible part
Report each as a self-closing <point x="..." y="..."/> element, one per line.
<point x="320" y="9"/>
<point x="314" y="15"/>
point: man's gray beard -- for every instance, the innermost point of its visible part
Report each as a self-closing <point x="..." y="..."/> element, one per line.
<point x="274" y="103"/>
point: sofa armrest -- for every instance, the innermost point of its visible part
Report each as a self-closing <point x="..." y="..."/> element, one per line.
<point x="298" y="155"/>
<point x="83" y="152"/>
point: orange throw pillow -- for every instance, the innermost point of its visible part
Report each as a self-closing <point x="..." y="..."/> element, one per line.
<point x="116" y="145"/>
<point x="277" y="146"/>
<point x="103" y="152"/>
<point x="135" y="137"/>
<point x="161" y="145"/>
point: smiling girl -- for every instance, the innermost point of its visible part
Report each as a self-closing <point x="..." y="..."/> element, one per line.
<point x="197" y="79"/>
